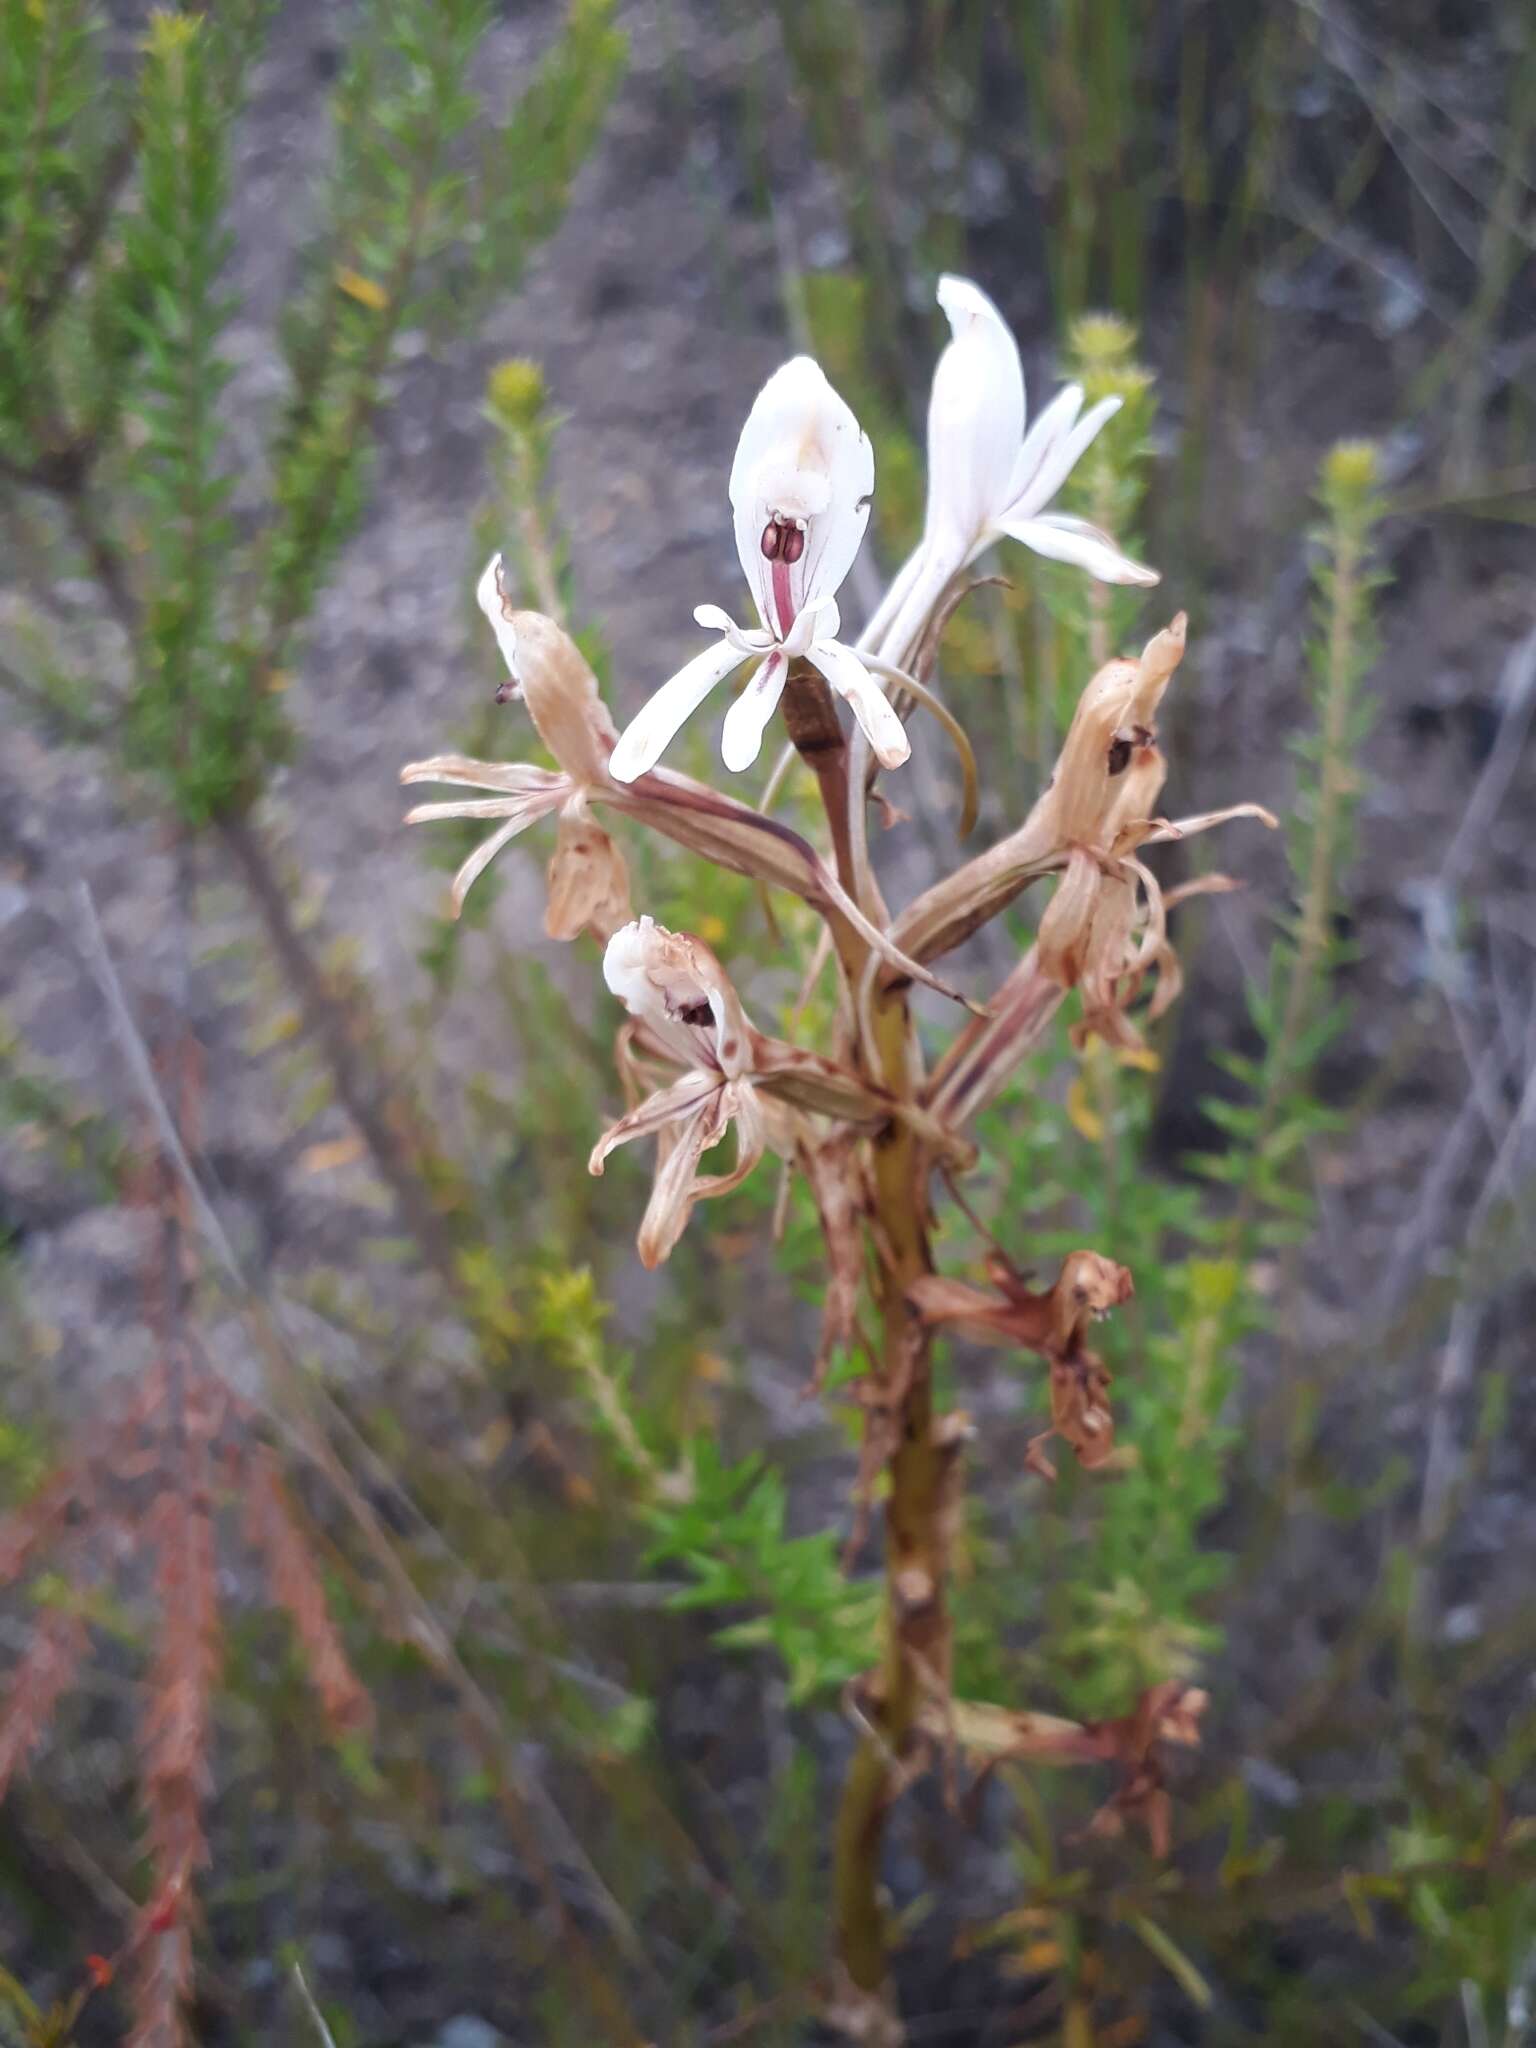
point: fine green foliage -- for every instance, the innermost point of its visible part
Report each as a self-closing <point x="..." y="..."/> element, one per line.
<point x="49" y="82"/>
<point x="111" y="366"/>
<point x="728" y="1533"/>
<point x="190" y="718"/>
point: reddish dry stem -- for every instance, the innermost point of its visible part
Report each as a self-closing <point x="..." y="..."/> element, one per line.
<point x="296" y="1586"/>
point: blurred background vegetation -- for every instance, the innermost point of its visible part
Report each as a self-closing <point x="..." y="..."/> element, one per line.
<point x="301" y="311"/>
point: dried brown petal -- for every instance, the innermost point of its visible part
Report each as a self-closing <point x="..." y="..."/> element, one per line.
<point x="588" y="882"/>
<point x="562" y="696"/>
<point x="1052" y="1322"/>
<point x="837" y="1187"/>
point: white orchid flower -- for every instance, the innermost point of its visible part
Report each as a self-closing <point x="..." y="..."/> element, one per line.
<point x="988" y="479"/>
<point x="800" y="490"/>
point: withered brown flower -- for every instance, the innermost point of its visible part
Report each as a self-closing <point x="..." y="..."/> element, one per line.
<point x="1053" y="1322"/>
<point x="1105" y="925"/>
<point x="1165" y="1714"/>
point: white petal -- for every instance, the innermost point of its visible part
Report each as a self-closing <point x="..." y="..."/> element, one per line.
<point x="749" y="639"/>
<point x="921" y="592"/>
<point x="1061" y="539"/>
<point x="818" y="620"/>
<point x="975" y="420"/>
<point x="488" y="596"/>
<point x="852" y="680"/>
<point x="890" y="605"/>
<point x="1062" y="457"/>
<point x="652" y="729"/>
<point x="801" y="454"/>
<point x="1056" y="421"/>
<point x="745" y="722"/>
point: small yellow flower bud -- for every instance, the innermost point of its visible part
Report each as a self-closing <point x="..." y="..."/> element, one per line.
<point x="1350" y="475"/>
<point x="515" y="393"/>
<point x="170" y="33"/>
<point x="1101" y="354"/>
<point x="1352" y="467"/>
<point x="1101" y="340"/>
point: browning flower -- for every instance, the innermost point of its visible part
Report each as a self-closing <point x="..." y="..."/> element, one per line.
<point x="733" y="1075"/>
<point x="1165" y="1716"/>
<point x="588" y="879"/>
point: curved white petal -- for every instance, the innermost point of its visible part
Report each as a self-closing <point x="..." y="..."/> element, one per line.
<point x="804" y="458"/>
<point x="1056" y="421"/>
<point x="497" y="608"/>
<point x="652" y="729"/>
<point x="896" y="593"/>
<point x="741" y="740"/>
<point x="903" y="636"/>
<point x="975" y="420"/>
<point x="852" y="680"/>
<point x="1061" y="458"/>
<point x="1061" y="539"/>
<point x="715" y="619"/>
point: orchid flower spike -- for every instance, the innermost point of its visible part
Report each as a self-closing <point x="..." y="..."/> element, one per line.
<point x="800" y="490"/>
<point x="988" y="479"/>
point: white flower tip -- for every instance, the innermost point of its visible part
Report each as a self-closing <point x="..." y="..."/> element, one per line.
<point x="492" y="599"/>
<point x="739" y="747"/>
<point x="893" y="752"/>
<point x="628" y="761"/>
<point x="964" y="302"/>
<point x="802" y="373"/>
<point x="624" y="959"/>
<point x="488" y="589"/>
